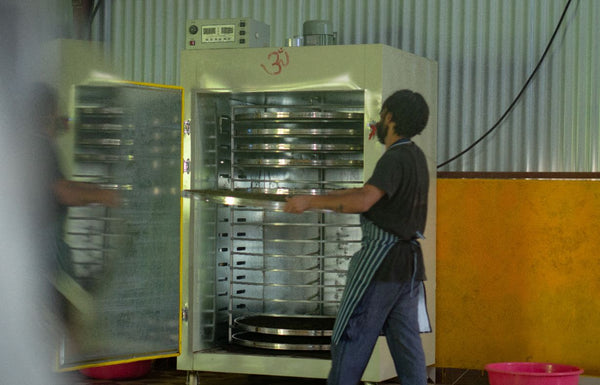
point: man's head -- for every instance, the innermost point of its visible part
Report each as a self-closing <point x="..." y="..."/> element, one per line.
<point x="408" y="112"/>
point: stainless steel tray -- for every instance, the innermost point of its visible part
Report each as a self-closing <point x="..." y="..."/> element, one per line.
<point x="101" y="127"/>
<point x="300" y="325"/>
<point x="286" y="191"/>
<point x="246" y="198"/>
<point x="266" y="341"/>
<point x="277" y="147"/>
<point x="298" y="132"/>
<point x="300" y="162"/>
<point x="105" y="142"/>
<point x="298" y="115"/>
<point x="95" y="110"/>
<point x="313" y="255"/>
<point x="240" y="198"/>
<point x="115" y="186"/>
<point x="103" y="158"/>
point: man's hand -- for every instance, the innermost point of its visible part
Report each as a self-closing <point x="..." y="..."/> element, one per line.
<point x="297" y="204"/>
<point x="110" y="198"/>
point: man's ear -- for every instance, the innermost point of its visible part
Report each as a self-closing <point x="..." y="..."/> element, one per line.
<point x="388" y="117"/>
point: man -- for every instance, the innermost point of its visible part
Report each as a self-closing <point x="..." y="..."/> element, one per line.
<point x="384" y="288"/>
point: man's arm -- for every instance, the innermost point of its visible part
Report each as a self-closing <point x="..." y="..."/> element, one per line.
<point x="356" y="200"/>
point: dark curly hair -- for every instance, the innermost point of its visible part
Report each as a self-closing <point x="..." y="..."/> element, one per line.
<point x="409" y="112"/>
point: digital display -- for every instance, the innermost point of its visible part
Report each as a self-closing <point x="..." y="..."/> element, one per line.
<point x="218" y="33"/>
<point x="226" y="33"/>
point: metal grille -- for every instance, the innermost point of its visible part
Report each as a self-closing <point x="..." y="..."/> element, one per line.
<point x="485" y="51"/>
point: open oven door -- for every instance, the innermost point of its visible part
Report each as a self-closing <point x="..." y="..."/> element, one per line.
<point x="124" y="291"/>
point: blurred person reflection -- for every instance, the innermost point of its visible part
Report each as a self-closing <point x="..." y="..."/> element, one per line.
<point x="26" y="355"/>
<point x="63" y="193"/>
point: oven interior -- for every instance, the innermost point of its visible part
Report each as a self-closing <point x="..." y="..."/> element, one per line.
<point x="262" y="278"/>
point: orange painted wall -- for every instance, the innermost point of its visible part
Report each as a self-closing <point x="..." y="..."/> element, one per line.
<point x="518" y="272"/>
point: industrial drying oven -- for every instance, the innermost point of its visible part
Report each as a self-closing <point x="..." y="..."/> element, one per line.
<point x="261" y="287"/>
<point x="200" y="262"/>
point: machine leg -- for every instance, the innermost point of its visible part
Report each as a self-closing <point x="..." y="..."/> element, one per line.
<point x="192" y="378"/>
<point x="431" y="374"/>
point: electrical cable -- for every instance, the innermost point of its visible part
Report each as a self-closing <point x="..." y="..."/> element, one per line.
<point x="514" y="102"/>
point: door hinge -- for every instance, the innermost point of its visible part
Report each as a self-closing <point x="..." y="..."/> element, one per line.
<point x="187" y="127"/>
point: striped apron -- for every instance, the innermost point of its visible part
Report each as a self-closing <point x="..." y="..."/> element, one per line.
<point x="376" y="243"/>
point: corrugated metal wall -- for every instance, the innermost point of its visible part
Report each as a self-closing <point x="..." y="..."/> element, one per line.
<point x="486" y="50"/>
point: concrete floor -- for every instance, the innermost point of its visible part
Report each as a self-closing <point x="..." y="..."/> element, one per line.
<point x="165" y="373"/>
<point x="179" y="378"/>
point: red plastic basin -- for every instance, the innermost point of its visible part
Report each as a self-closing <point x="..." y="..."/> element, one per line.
<point x="119" y="371"/>
<point x="532" y="373"/>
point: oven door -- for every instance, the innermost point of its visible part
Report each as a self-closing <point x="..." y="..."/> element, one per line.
<point x="124" y="290"/>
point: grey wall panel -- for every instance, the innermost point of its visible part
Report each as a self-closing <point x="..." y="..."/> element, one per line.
<point x="485" y="50"/>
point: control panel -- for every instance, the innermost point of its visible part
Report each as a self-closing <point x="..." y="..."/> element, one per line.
<point x="227" y="33"/>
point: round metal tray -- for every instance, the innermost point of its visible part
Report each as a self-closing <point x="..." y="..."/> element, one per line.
<point x="285" y="191"/>
<point x="298" y="147"/>
<point x="295" y="115"/>
<point x="266" y="341"/>
<point x="300" y="162"/>
<point x="101" y="127"/>
<point x="298" y="132"/>
<point x="287" y="325"/>
<point x="312" y="255"/>
<point x="103" y="158"/>
<point x="105" y="142"/>
<point x="240" y="198"/>
<point x="87" y="110"/>
<point x="243" y="198"/>
<point x="115" y="186"/>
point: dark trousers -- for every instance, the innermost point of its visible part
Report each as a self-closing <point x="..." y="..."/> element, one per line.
<point x="390" y="307"/>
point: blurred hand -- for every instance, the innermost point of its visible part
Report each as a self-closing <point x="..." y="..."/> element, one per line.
<point x="297" y="204"/>
<point x="110" y="198"/>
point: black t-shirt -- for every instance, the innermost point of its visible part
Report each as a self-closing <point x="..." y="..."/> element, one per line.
<point x="402" y="174"/>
